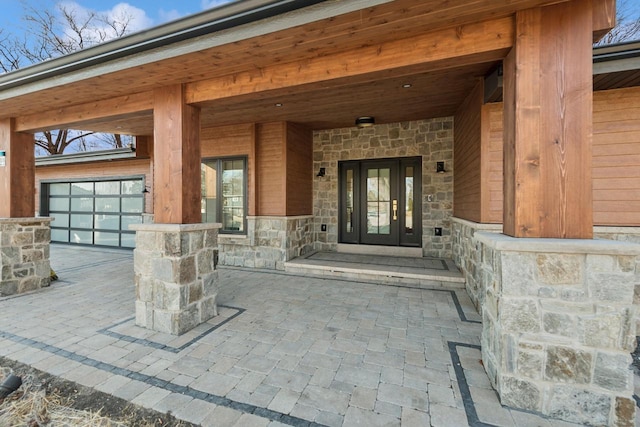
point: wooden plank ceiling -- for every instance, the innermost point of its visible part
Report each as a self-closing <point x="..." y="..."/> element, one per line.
<point x="432" y="93"/>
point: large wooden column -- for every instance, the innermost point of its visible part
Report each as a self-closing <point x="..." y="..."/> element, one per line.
<point x="17" y="177"/>
<point x="547" y="123"/>
<point x="176" y="153"/>
<point x="163" y="263"/>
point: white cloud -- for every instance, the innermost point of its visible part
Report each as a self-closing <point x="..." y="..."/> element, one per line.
<point x="137" y="17"/>
<point x="209" y="4"/>
<point x="124" y="17"/>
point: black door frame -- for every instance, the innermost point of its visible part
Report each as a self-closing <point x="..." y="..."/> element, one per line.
<point x="352" y="231"/>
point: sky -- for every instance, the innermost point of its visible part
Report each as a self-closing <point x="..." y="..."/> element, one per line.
<point x="147" y="13"/>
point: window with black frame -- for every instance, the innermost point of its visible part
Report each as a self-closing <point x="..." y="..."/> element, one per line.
<point x="224" y="193"/>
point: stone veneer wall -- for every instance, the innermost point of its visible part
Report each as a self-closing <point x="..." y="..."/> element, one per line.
<point x="558" y="324"/>
<point x="24" y="254"/>
<point x="175" y="275"/>
<point x="468" y="257"/>
<point x="432" y="139"/>
<point x="621" y="234"/>
<point x="269" y="242"/>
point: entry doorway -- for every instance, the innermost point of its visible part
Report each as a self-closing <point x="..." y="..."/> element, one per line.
<point x="380" y="202"/>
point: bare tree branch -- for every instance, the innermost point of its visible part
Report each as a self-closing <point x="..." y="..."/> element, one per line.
<point x="52" y="33"/>
<point x="627" y="26"/>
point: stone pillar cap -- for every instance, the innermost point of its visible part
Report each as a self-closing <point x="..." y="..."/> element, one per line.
<point x="575" y="246"/>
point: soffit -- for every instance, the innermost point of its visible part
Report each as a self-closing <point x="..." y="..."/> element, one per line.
<point x="433" y="94"/>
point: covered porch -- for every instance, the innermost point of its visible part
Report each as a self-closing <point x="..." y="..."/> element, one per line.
<point x="273" y="97"/>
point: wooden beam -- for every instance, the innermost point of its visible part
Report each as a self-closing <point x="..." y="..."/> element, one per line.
<point x="99" y="111"/>
<point x="449" y="46"/>
<point x="144" y="146"/>
<point x="18" y="175"/>
<point x="176" y="158"/>
<point x="547" y="119"/>
<point x="604" y="18"/>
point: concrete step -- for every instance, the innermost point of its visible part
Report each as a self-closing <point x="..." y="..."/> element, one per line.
<point x="427" y="279"/>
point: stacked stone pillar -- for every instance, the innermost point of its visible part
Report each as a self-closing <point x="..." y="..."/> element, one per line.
<point x="175" y="275"/>
<point x="558" y="325"/>
<point x="24" y="254"/>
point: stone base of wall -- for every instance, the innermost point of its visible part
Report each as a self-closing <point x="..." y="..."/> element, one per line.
<point x="269" y="243"/>
<point x="558" y="324"/>
<point x="175" y="275"/>
<point x="621" y="234"/>
<point x="467" y="256"/>
<point x="24" y="254"/>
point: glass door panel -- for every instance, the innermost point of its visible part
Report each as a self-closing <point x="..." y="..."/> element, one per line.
<point x="348" y="218"/>
<point x="379" y="216"/>
<point x="411" y="208"/>
<point x="378" y="201"/>
<point x="408" y="200"/>
<point x="349" y="202"/>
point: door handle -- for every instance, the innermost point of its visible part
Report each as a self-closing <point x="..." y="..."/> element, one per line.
<point x="395" y="210"/>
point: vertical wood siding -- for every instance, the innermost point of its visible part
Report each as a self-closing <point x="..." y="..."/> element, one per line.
<point x="467" y="157"/>
<point x="493" y="188"/>
<point x="271" y="167"/>
<point x="299" y="170"/>
<point x="616" y="158"/>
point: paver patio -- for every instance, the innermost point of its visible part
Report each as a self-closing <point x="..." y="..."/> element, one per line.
<point x="285" y="349"/>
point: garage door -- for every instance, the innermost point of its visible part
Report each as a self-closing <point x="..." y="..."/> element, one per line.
<point x="96" y="212"/>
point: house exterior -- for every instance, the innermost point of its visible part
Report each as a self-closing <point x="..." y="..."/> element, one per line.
<point x="500" y="139"/>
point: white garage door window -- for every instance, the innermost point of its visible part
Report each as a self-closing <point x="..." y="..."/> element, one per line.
<point x="94" y="212"/>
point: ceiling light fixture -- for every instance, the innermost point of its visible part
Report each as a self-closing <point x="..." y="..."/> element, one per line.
<point x="365" y="121"/>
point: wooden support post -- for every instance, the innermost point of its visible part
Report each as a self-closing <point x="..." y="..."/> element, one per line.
<point x="18" y="175"/>
<point x="176" y="158"/>
<point x="548" y="123"/>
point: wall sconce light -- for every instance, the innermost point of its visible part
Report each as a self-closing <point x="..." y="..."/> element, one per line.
<point x="321" y="172"/>
<point x="3" y="159"/>
<point x="440" y="167"/>
<point x="365" y="121"/>
<point x="146" y="190"/>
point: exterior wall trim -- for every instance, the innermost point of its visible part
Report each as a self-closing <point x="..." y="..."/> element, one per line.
<point x="576" y="246"/>
<point x="282" y="217"/>
<point x="478" y="225"/>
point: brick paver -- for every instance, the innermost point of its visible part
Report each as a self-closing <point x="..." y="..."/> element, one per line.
<point x="294" y="350"/>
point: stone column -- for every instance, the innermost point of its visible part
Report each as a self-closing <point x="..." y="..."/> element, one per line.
<point x="175" y="275"/>
<point x="24" y="254"/>
<point x="558" y="325"/>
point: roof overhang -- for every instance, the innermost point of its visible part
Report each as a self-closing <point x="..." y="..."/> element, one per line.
<point x="228" y="24"/>
<point x="263" y="44"/>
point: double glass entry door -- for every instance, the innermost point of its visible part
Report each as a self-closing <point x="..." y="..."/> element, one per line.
<point x="380" y="202"/>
